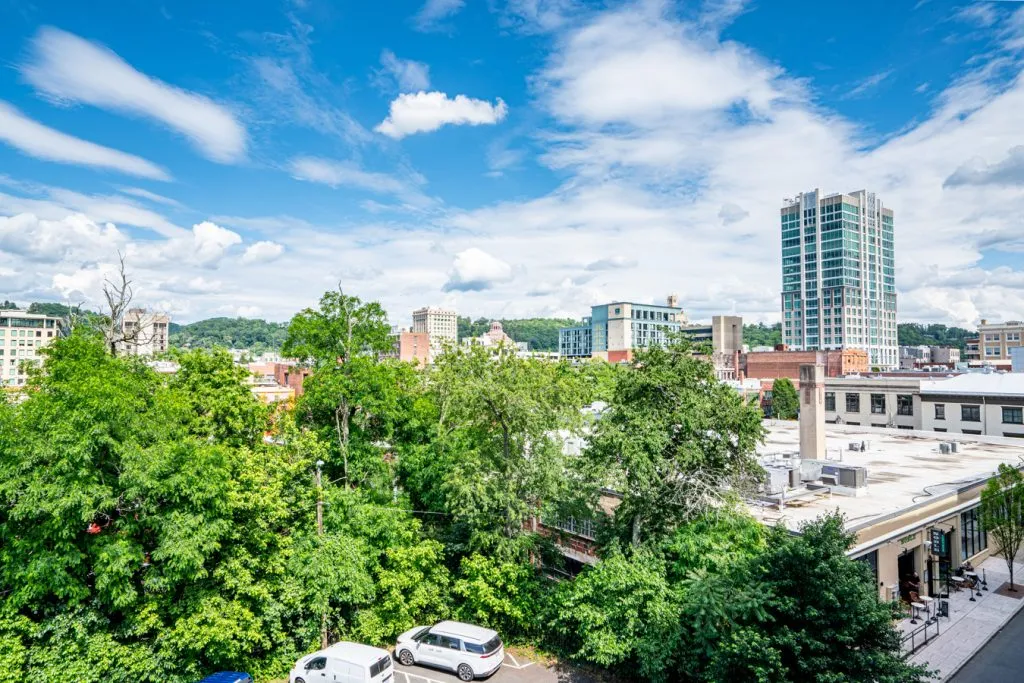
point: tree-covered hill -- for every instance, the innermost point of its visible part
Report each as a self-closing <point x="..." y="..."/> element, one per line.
<point x="233" y="333"/>
<point x="914" y="334"/>
<point x="762" y="335"/>
<point x="540" y="333"/>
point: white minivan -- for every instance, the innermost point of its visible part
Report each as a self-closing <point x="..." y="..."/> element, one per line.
<point x="468" y="650"/>
<point x="344" y="663"/>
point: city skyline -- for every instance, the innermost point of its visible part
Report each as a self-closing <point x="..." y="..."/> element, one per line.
<point x="506" y="159"/>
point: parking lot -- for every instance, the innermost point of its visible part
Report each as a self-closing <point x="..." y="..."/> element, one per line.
<point x="513" y="670"/>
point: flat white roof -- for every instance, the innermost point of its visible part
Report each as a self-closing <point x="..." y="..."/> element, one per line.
<point x="457" y="628"/>
<point x="978" y="384"/>
<point x="356" y="653"/>
<point x="904" y="468"/>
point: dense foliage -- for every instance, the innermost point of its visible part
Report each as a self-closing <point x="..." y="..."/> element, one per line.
<point x="762" y="335"/>
<point x="785" y="403"/>
<point x="230" y="333"/>
<point x="157" y="528"/>
<point x="914" y="334"/>
<point x="540" y="333"/>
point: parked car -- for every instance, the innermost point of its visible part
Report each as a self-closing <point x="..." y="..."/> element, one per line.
<point x="228" y="677"/>
<point x="344" y="663"/>
<point x="468" y="650"/>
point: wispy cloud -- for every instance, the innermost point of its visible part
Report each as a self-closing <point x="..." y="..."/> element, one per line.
<point x="35" y="139"/>
<point x="424" y="112"/>
<point x="346" y="174"/>
<point x="70" y="69"/>
<point x="432" y="15"/>
<point x="410" y="75"/>
<point x="865" y="86"/>
<point x="151" y="196"/>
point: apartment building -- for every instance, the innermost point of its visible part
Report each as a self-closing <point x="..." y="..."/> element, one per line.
<point x="441" y="324"/>
<point x="22" y="335"/>
<point x="614" y="330"/>
<point x="838" y="275"/>
<point x="145" y="333"/>
<point x="411" y="347"/>
<point x="995" y="342"/>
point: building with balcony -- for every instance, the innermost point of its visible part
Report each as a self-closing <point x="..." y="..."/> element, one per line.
<point x="145" y="333"/>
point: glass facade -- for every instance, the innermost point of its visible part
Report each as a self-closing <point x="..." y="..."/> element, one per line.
<point x="973" y="538"/>
<point x="838" y="276"/>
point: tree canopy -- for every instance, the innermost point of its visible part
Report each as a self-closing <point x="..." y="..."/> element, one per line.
<point x="157" y="528"/>
<point x="785" y="399"/>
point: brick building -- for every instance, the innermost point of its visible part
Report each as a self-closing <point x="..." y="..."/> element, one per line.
<point x="287" y="375"/>
<point x="785" y="363"/>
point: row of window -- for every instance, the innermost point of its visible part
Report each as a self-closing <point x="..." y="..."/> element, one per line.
<point x="905" y="406"/>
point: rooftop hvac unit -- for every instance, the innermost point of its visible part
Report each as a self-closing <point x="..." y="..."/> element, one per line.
<point x="775" y="481"/>
<point x="954" y="447"/>
<point x="794" y="478"/>
<point x="810" y="470"/>
<point x="848" y="476"/>
<point x="944" y="448"/>
<point x="855" y="445"/>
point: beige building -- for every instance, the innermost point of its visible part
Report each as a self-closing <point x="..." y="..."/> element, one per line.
<point x="989" y="404"/>
<point x="22" y="335"/>
<point x="145" y="333"/>
<point x="440" y="323"/>
<point x="883" y="402"/>
<point x="995" y="341"/>
<point x="910" y="498"/>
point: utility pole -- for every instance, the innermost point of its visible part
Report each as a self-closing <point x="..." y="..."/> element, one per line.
<point x="320" y="532"/>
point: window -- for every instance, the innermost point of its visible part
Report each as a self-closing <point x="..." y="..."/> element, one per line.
<point x="317" y="664"/>
<point x="970" y="413"/>
<point x="431" y="639"/>
<point x="904" y="405"/>
<point x="487" y="648"/>
<point x="382" y="664"/>
<point x="940" y="429"/>
<point x="853" y="403"/>
<point x="972" y="432"/>
<point x="871" y="561"/>
<point x="878" y="404"/>
<point x="940" y="411"/>
<point x="973" y="538"/>
<point x="450" y="643"/>
<point x="830" y="400"/>
<point x="1013" y="416"/>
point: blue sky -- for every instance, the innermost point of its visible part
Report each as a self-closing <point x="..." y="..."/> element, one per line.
<point x="505" y="157"/>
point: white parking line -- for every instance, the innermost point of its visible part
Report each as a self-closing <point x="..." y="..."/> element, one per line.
<point x="515" y="664"/>
<point x="410" y="676"/>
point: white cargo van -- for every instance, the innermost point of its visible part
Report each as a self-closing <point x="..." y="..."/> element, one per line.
<point x="344" y="663"/>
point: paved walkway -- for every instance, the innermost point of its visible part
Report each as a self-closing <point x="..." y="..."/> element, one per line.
<point x="970" y="624"/>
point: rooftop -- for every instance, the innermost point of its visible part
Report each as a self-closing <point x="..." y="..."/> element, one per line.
<point x="978" y="384"/>
<point x="904" y="468"/>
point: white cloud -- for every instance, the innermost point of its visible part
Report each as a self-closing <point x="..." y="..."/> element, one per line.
<point x="424" y="112"/>
<point x="60" y="203"/>
<point x="980" y="13"/>
<point x="151" y="196"/>
<point x="345" y="174"/>
<point x="204" y="246"/>
<point x="49" y="241"/>
<point x="475" y="270"/>
<point x="732" y="213"/>
<point x="612" y="263"/>
<point x="1009" y="171"/>
<point x="262" y="252"/>
<point x="409" y="74"/>
<point x="434" y="12"/>
<point x="69" y="68"/>
<point x="35" y="139"/>
<point x="196" y="285"/>
<point x="863" y="87"/>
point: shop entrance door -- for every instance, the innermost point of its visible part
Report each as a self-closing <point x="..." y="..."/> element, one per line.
<point x="942" y="549"/>
<point x="906" y="565"/>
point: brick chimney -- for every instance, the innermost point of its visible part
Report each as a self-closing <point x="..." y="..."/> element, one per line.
<point x="812" y="412"/>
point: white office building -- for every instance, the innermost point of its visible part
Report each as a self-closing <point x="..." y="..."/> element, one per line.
<point x="440" y="324"/>
<point x="22" y="335"/>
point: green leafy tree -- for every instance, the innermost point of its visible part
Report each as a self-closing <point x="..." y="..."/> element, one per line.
<point x="762" y="335"/>
<point x="674" y="441"/>
<point x="503" y="595"/>
<point x="501" y="422"/>
<point x="342" y="341"/>
<point x="231" y="333"/>
<point x="799" y="611"/>
<point x="785" y="400"/>
<point x="621" y="611"/>
<point x="1002" y="513"/>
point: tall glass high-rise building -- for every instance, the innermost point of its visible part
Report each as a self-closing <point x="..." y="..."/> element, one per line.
<point x="838" y="277"/>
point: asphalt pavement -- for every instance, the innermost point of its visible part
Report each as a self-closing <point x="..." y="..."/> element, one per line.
<point x="512" y="670"/>
<point x="1001" y="659"/>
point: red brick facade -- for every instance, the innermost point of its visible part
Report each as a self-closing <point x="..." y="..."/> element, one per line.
<point x="293" y="376"/>
<point x="782" y="363"/>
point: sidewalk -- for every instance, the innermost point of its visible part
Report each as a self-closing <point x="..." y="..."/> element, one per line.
<point x="971" y="624"/>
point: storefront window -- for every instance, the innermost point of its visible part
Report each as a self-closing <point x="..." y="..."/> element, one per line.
<point x="871" y="560"/>
<point x="973" y="538"/>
